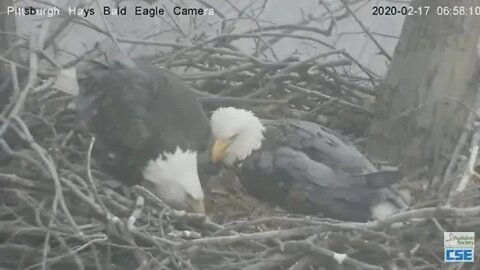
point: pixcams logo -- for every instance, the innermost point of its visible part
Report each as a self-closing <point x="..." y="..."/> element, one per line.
<point x="459" y="246"/>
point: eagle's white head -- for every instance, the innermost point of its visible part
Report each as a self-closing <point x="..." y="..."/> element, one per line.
<point x="173" y="177"/>
<point x="237" y="132"/>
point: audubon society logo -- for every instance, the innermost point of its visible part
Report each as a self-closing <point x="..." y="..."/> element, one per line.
<point x="459" y="246"/>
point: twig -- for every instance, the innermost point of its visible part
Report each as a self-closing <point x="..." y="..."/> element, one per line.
<point x="47" y="160"/>
<point x="382" y="50"/>
<point x="233" y="101"/>
<point x="91" y="183"/>
<point x="136" y="213"/>
<point x="20" y="102"/>
<point x="470" y="170"/>
<point x="110" y="33"/>
<point x="321" y="95"/>
<point x="339" y="258"/>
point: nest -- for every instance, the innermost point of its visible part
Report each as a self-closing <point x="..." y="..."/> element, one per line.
<point x="60" y="211"/>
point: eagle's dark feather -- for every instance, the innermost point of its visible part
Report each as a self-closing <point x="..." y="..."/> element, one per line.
<point x="139" y="113"/>
<point x="306" y="168"/>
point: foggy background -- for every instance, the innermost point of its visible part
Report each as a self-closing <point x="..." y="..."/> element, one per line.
<point x="346" y="35"/>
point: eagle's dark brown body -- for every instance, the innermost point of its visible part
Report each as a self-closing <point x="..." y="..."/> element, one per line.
<point x="139" y="114"/>
<point x="144" y="112"/>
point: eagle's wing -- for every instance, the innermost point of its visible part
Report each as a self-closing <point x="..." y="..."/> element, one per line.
<point x="122" y="111"/>
<point x="293" y="180"/>
<point x="189" y="125"/>
<point x="134" y="107"/>
<point x="324" y="146"/>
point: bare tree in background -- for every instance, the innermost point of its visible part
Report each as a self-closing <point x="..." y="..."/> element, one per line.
<point x="425" y="101"/>
<point x="7" y="25"/>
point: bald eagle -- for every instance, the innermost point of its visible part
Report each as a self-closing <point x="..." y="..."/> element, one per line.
<point x="302" y="167"/>
<point x="150" y="128"/>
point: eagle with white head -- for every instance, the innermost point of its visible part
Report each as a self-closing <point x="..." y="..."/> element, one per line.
<point x="150" y="128"/>
<point x="303" y="167"/>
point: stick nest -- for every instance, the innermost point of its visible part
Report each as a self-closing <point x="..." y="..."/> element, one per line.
<point x="60" y="211"/>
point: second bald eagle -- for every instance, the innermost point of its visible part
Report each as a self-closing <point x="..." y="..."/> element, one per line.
<point x="302" y="167"/>
<point x="151" y="127"/>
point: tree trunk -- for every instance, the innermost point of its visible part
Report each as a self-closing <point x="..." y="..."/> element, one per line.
<point x="420" y="110"/>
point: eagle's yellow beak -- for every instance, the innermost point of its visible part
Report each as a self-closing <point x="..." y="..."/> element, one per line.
<point x="218" y="149"/>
